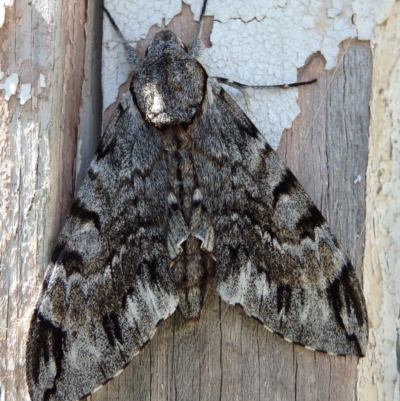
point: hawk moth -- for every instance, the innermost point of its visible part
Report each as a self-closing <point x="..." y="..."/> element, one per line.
<point x="183" y="186"/>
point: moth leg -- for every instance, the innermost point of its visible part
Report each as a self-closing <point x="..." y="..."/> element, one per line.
<point x="197" y="45"/>
<point x="130" y="53"/>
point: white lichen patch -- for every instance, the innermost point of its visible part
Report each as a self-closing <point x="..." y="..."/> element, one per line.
<point x="255" y="43"/>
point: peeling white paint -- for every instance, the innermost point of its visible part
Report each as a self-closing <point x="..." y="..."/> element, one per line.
<point x="10" y="86"/>
<point x="379" y="375"/>
<point x="369" y="13"/>
<point x="42" y="82"/>
<point x="46" y="9"/>
<point x="3" y="5"/>
<point x="255" y="43"/>
<point x="24" y="93"/>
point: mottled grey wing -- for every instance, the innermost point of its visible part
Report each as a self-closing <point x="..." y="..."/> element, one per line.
<point x="275" y="253"/>
<point x="108" y="284"/>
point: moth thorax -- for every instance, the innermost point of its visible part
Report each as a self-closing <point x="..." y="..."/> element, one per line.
<point x="169" y="88"/>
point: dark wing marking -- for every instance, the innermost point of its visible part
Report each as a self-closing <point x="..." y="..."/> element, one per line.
<point x="275" y="253"/>
<point x="108" y="283"/>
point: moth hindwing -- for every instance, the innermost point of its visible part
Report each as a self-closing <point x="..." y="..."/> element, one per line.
<point x="183" y="185"/>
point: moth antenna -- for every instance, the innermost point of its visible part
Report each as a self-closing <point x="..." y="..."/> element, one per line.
<point x="241" y="87"/>
<point x="197" y="45"/>
<point x="130" y="53"/>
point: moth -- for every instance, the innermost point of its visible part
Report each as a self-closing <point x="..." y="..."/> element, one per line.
<point x="183" y="186"/>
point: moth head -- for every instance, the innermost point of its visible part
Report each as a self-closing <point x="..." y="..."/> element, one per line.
<point x="164" y="41"/>
<point x="169" y="86"/>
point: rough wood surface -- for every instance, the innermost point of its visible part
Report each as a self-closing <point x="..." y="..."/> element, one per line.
<point x="379" y="373"/>
<point x="44" y="43"/>
<point x="228" y="356"/>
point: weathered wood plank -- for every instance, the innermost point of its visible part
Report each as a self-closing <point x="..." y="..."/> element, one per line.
<point x="379" y="371"/>
<point x="43" y="43"/>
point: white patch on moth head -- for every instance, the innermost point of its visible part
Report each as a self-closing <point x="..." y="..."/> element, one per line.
<point x="150" y="90"/>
